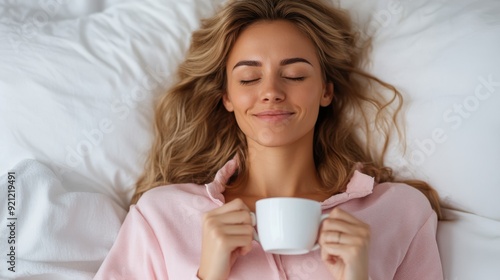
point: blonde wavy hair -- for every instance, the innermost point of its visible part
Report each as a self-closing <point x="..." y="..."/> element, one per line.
<point x="195" y="135"/>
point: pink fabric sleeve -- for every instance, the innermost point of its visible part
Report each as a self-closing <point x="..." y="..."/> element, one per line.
<point x="135" y="254"/>
<point x="422" y="261"/>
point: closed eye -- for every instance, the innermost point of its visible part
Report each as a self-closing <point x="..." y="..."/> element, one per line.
<point x="246" y="82"/>
<point x="295" y="78"/>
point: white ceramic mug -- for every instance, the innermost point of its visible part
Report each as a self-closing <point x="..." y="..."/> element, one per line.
<point x="288" y="225"/>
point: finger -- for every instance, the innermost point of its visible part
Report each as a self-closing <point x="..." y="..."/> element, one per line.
<point x="330" y="224"/>
<point x="347" y="253"/>
<point x="236" y="217"/>
<point x="234" y="205"/>
<point x="216" y="225"/>
<point x="237" y="241"/>
<point x="242" y="235"/>
<point x="340" y="214"/>
<point x="330" y="237"/>
<point x="230" y="230"/>
<point x="335" y="237"/>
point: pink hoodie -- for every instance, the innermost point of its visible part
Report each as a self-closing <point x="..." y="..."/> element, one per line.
<point x="161" y="235"/>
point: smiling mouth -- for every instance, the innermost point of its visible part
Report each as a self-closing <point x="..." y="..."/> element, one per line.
<point x="274" y="115"/>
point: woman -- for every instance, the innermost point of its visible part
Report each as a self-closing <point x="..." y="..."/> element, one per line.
<point x="271" y="102"/>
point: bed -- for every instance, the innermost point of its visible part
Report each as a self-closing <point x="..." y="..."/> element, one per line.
<point x="78" y="82"/>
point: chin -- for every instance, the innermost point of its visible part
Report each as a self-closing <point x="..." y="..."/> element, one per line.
<point x="274" y="139"/>
<point x="275" y="142"/>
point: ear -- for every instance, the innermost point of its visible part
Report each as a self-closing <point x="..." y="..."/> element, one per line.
<point x="328" y="94"/>
<point x="227" y="102"/>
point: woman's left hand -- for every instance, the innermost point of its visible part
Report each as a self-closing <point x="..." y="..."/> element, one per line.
<point x="344" y="242"/>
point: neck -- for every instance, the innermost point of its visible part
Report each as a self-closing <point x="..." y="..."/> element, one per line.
<point x="283" y="171"/>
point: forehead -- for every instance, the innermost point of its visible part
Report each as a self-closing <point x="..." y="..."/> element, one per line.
<point x="272" y="40"/>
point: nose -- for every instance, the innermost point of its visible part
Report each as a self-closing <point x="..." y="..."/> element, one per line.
<point x="272" y="92"/>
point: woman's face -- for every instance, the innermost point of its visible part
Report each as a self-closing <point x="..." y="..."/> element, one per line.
<point x="275" y="85"/>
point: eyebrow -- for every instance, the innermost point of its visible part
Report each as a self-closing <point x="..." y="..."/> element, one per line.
<point x="283" y="62"/>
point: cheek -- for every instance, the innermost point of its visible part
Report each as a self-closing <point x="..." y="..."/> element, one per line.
<point x="310" y="96"/>
<point x="241" y="100"/>
<point x="310" y="103"/>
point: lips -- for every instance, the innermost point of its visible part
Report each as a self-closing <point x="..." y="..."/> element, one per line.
<point x="274" y="115"/>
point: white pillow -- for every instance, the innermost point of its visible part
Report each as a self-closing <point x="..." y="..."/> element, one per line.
<point x="77" y="93"/>
<point x="444" y="58"/>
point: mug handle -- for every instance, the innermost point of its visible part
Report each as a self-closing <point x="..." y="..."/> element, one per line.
<point x="316" y="246"/>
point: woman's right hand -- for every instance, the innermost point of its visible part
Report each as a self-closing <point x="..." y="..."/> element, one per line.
<point x="227" y="234"/>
